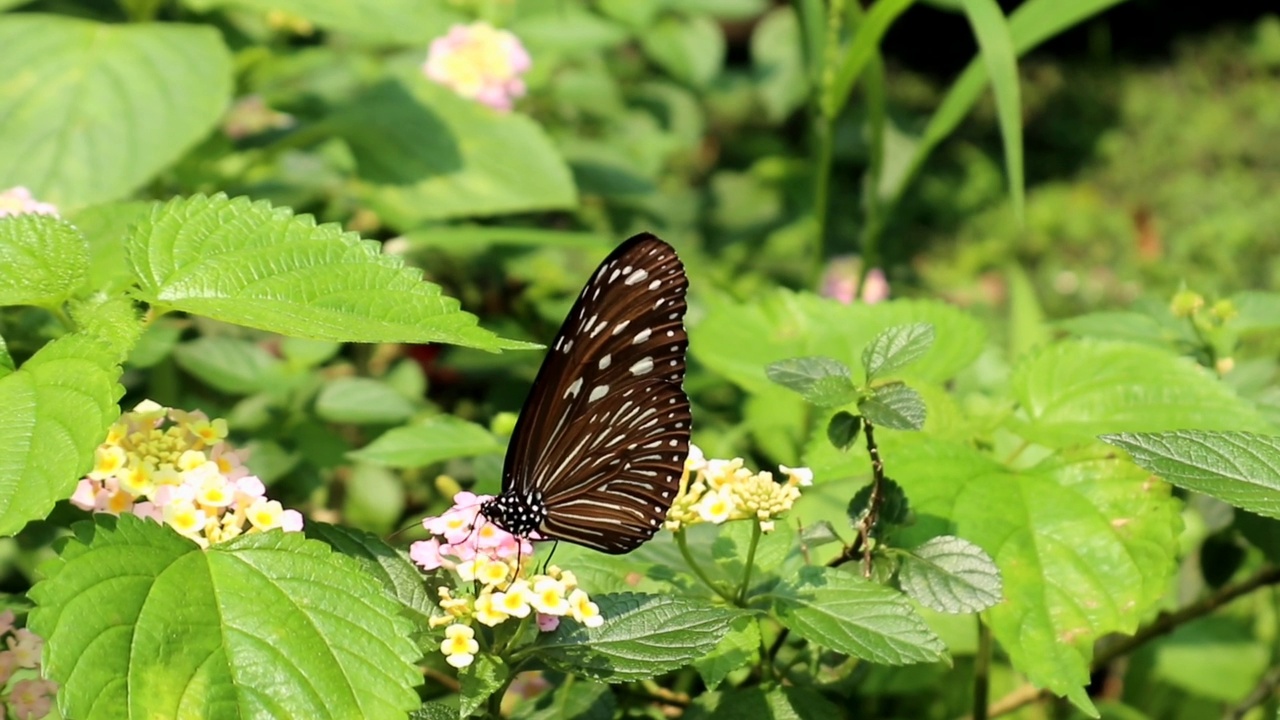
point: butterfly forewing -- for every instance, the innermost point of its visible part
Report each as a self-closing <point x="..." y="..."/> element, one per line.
<point x="604" y="433"/>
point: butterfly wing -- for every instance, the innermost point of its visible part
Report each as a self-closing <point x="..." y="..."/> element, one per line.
<point x="605" y="430"/>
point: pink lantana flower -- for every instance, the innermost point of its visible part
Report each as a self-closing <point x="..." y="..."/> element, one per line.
<point x="479" y="62"/>
<point x="19" y="201"/>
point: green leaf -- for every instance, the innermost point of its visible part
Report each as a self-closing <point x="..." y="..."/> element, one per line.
<point x="482" y="678"/>
<point x="896" y="347"/>
<point x="434" y="711"/>
<point x="572" y="698"/>
<point x="426" y="154"/>
<point x="438" y="438"/>
<point x="567" y="30"/>
<point x="860" y="51"/>
<point x="822" y="381"/>
<point x="778" y="703"/>
<point x="895" y="507"/>
<point x="266" y="624"/>
<point x="43" y="260"/>
<point x="54" y="411"/>
<point x="777" y="57"/>
<point x="362" y="401"/>
<point x="951" y="575"/>
<point x="374" y="498"/>
<point x="386" y="22"/>
<point x="734" y="338"/>
<point x="93" y="111"/>
<point x="643" y="636"/>
<point x="251" y="264"/>
<point x="843" y="429"/>
<point x="234" y="366"/>
<point x="1239" y="468"/>
<point x="894" y="406"/>
<point x="158" y="342"/>
<point x="1255" y="311"/>
<point x="995" y="45"/>
<point x="846" y="613"/>
<point x="105" y="227"/>
<point x="1217" y="657"/>
<point x="690" y="48"/>
<point x="1077" y="390"/>
<point x="740" y="648"/>
<point x="400" y="578"/>
<point x="1085" y="543"/>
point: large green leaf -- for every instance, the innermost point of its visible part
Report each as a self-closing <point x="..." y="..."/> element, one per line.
<point x="642" y="636"/>
<point x="737" y="339"/>
<point x="995" y="44"/>
<point x="386" y="22"/>
<point x="142" y="623"/>
<point x="438" y="438"/>
<point x="93" y="111"/>
<point x="1239" y="468"/>
<point x="690" y="48"/>
<point x="1085" y="545"/>
<point x="400" y="578"/>
<point x="251" y="264"/>
<point x="1076" y="390"/>
<point x="42" y="260"/>
<point x="842" y="611"/>
<point x="54" y="411"/>
<point x="823" y="381"/>
<point x="951" y="575"/>
<point x="423" y="153"/>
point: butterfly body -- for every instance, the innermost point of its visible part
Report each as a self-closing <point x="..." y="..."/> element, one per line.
<point x="597" y="453"/>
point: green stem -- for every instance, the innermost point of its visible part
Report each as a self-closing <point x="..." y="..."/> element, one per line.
<point x="683" y="544"/>
<point x="982" y="672"/>
<point x="751" y="563"/>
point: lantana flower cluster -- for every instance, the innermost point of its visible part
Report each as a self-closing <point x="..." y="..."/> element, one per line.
<point x="493" y="584"/>
<point x="184" y="474"/>
<point x="716" y="491"/>
<point x="32" y="696"/>
<point x="19" y="201"/>
<point x="479" y="62"/>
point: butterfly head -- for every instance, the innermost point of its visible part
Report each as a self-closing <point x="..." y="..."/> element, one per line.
<point x="520" y="515"/>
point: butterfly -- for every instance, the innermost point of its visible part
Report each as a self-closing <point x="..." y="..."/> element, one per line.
<point x="598" y="450"/>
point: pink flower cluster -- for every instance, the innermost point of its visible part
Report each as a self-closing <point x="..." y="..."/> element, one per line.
<point x="184" y="475"/>
<point x="479" y="62"/>
<point x="19" y="201"/>
<point x="460" y="538"/>
<point x="840" y="282"/>
<point x="30" y="697"/>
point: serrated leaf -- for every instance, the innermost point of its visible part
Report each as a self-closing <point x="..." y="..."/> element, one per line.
<point x="894" y="406"/>
<point x="896" y="347"/>
<point x="400" y="578"/>
<point x="54" y="411"/>
<point x="105" y="228"/>
<point x="951" y="575"/>
<point x="843" y="429"/>
<point x="251" y="264"/>
<point x="1085" y="544"/>
<point x="895" y="508"/>
<point x="139" y="622"/>
<point x="1239" y="468"/>
<point x="434" y="711"/>
<point x="438" y="438"/>
<point x="778" y="703"/>
<point x="94" y="110"/>
<point x="423" y="154"/>
<point x="42" y="260"/>
<point x="822" y="381"/>
<point x="643" y="636"/>
<point x="740" y="648"/>
<point x="783" y="324"/>
<point x="819" y="534"/>
<point x="362" y="401"/>
<point x="1077" y="390"/>
<point x="482" y="678"/>
<point x="846" y="613"/>
<point x="232" y="365"/>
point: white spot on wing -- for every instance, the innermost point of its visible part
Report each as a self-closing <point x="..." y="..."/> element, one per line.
<point x="655" y="284"/>
<point x="598" y="392"/>
<point x="621" y="326"/>
<point x="605" y="361"/>
<point x="574" y="388"/>
<point x="641" y="336"/>
<point x="601" y="326"/>
<point x="642" y="366"/>
<point x="637" y="277"/>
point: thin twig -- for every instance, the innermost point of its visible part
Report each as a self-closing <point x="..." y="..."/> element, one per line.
<point x="868" y="523"/>
<point x="1264" y="691"/>
<point x="1164" y="624"/>
<point x="982" y="671"/>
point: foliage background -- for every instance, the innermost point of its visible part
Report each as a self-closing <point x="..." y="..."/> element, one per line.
<point x="1152" y="164"/>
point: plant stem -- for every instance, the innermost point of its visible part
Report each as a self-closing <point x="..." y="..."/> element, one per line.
<point x="683" y="544"/>
<point x="982" y="672"/>
<point x="751" y="562"/>
<point x="877" y="496"/>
